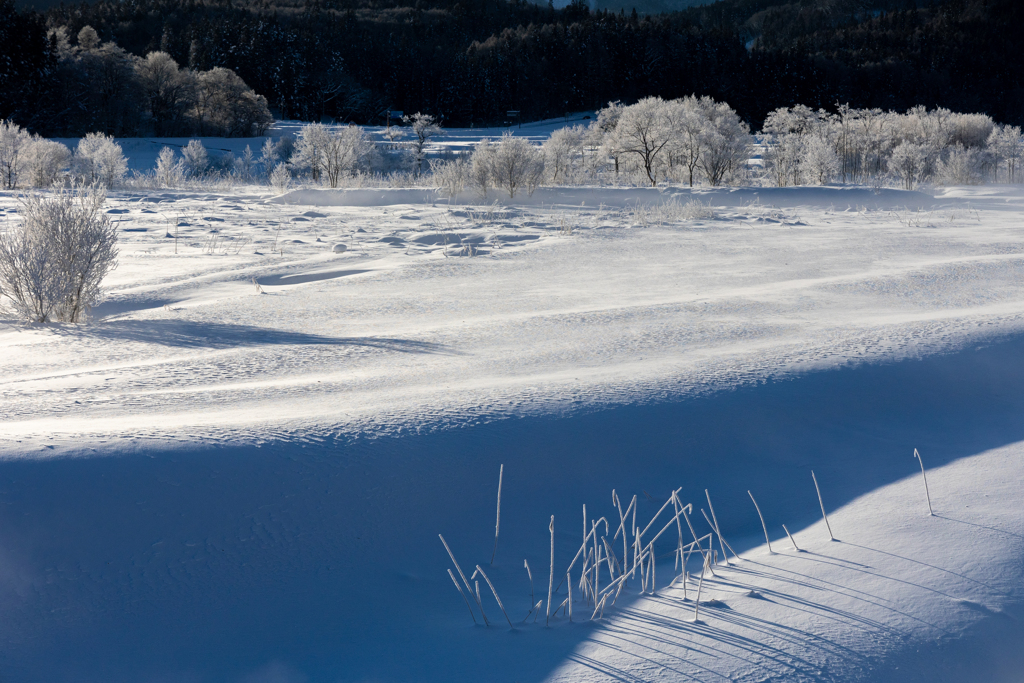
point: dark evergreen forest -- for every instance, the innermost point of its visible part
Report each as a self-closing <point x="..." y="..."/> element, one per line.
<point x="469" y="61"/>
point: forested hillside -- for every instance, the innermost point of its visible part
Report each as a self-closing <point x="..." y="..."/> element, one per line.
<point x="471" y="62"/>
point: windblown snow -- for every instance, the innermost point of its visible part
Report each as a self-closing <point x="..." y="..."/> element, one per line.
<point x="239" y="469"/>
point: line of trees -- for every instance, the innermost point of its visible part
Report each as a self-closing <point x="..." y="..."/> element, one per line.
<point x="468" y="63"/>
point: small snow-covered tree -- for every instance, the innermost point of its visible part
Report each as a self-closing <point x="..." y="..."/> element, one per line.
<point x="344" y="153"/>
<point x="687" y="122"/>
<point x="52" y="264"/>
<point x="99" y="160"/>
<point x="516" y="165"/>
<point x="962" y="166"/>
<point x="424" y="129"/>
<point x="561" y="150"/>
<point x="14" y="142"/>
<point x="819" y="163"/>
<point x="195" y="160"/>
<point x="245" y="165"/>
<point x="909" y="163"/>
<point x="1006" y="144"/>
<point x="726" y="143"/>
<point x="169" y="171"/>
<point x="281" y="177"/>
<point x="310" y="149"/>
<point x="481" y="171"/>
<point x="642" y="132"/>
<point x="45" y="161"/>
<point x="782" y="156"/>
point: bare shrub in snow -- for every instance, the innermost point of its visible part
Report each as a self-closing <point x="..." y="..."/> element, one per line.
<point x="52" y="264"/>
<point x="99" y="160"/>
<point x="14" y="142"/>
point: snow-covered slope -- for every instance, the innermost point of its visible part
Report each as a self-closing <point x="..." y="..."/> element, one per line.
<point x="240" y="470"/>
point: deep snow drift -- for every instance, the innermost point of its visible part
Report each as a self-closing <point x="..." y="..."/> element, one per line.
<point x="240" y="470"/>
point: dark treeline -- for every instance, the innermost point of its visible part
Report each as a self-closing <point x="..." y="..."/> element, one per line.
<point x="469" y="61"/>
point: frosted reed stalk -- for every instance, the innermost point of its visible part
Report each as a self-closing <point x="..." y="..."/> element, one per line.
<point x="491" y="586"/>
<point x="757" y="507"/>
<point x="530" y="574"/>
<point x="700" y="585"/>
<point x="718" y="530"/>
<point x="551" y="575"/>
<point x="927" y="495"/>
<point x="480" y="602"/>
<point x="568" y="582"/>
<point x="451" y="555"/>
<point x="497" y="519"/>
<point x="822" y="504"/>
<point x="459" y="588"/>
<point x="711" y="541"/>
<point x="791" y="538"/>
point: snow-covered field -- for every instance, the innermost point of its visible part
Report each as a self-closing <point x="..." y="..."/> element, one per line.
<point x="238" y="472"/>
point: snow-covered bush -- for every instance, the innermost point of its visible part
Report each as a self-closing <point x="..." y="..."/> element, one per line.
<point x="14" y="142"/>
<point x="513" y="165"/>
<point x="169" y="172"/>
<point x="561" y="152"/>
<point x="481" y="167"/>
<point x="98" y="160"/>
<point x="451" y="175"/>
<point x="245" y="166"/>
<point x="1006" y="145"/>
<point x="962" y="166"/>
<point x="328" y="155"/>
<point x="281" y="177"/>
<point x="819" y="162"/>
<point x="52" y="264"/>
<point x="46" y="161"/>
<point x="195" y="160"/>
<point x="908" y="163"/>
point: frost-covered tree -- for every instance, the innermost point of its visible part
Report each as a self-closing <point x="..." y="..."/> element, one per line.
<point x="481" y="170"/>
<point x="45" y="161"/>
<point x="516" y="165"/>
<point x="726" y="143"/>
<point x="1006" y="144"/>
<point x="310" y="149"/>
<point x="642" y="133"/>
<point x="561" y="151"/>
<point x="169" y="171"/>
<point x="962" y="166"/>
<point x="909" y="163"/>
<point x="346" y="152"/>
<point x="424" y="129"/>
<point x="52" y="264"/>
<point x="14" y="143"/>
<point x="280" y="178"/>
<point x="782" y="156"/>
<point x="99" y="160"/>
<point x="245" y="165"/>
<point x="819" y="162"/>
<point x="195" y="160"/>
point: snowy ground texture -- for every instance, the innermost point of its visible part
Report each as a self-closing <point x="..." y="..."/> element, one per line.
<point x="238" y="472"/>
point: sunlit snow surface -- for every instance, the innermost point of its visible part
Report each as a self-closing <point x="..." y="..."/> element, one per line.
<point x="238" y="472"/>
